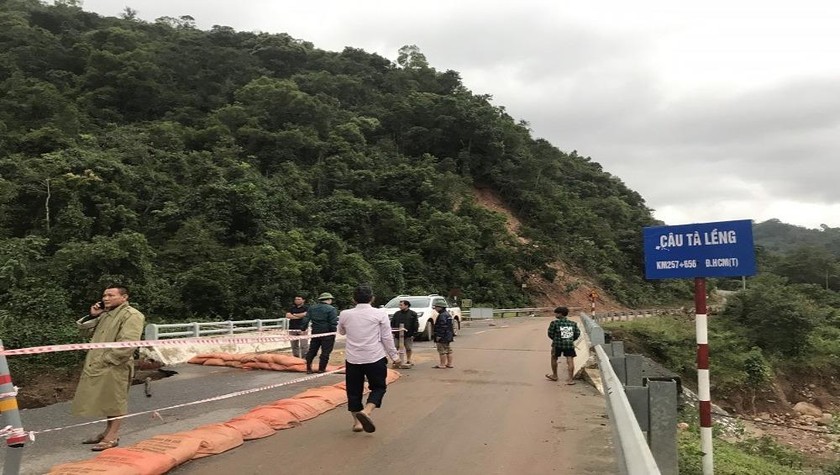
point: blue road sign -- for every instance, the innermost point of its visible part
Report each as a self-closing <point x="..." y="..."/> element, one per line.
<point x="722" y="249"/>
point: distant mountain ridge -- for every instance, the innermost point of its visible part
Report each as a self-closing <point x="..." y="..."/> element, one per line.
<point x="776" y="236"/>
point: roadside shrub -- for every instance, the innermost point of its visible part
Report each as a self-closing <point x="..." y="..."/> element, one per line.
<point x="772" y="317"/>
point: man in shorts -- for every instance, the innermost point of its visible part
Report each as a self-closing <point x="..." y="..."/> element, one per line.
<point x="563" y="334"/>
<point x="408" y="318"/>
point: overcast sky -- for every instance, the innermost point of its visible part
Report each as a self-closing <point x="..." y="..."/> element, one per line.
<point x="712" y="111"/>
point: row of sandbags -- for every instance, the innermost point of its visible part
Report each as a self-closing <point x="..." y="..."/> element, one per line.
<point x="269" y="361"/>
<point x="162" y="453"/>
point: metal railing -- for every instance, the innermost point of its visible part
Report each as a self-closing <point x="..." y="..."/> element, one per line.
<point x="626" y="315"/>
<point x="518" y="312"/>
<point x="155" y="331"/>
<point x="638" y="407"/>
<point x="593" y="330"/>
<point x="632" y="451"/>
<point x="466" y="314"/>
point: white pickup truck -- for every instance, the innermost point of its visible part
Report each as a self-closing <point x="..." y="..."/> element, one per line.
<point x="424" y="305"/>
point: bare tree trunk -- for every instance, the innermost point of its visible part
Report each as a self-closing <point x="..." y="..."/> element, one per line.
<point x="47" y="205"/>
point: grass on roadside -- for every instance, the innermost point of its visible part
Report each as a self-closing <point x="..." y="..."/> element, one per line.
<point x="751" y="456"/>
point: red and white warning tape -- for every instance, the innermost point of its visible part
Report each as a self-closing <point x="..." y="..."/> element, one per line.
<point x="12" y="393"/>
<point x="147" y="343"/>
<point x="10" y="432"/>
<point x="156" y="412"/>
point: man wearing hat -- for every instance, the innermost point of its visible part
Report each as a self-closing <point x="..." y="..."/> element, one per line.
<point x="444" y="334"/>
<point x="324" y="319"/>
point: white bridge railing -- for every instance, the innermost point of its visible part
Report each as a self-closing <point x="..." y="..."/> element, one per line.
<point x="505" y="312"/>
<point x="155" y="331"/>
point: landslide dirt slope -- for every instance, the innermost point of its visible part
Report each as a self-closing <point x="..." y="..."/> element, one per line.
<point x="570" y="287"/>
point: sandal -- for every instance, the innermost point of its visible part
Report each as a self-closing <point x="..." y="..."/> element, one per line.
<point x="449" y="366"/>
<point x="437" y="366"/>
<point x="365" y="420"/>
<point x="551" y="377"/>
<point x="94" y="440"/>
<point x="105" y="445"/>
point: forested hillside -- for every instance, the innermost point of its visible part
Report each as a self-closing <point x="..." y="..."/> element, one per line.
<point x="216" y="173"/>
<point x="801" y="255"/>
<point x="776" y="236"/>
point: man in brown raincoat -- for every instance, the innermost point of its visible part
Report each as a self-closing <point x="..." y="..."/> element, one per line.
<point x="106" y="377"/>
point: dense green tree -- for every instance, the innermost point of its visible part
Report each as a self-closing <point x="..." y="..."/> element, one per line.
<point x="809" y="265"/>
<point x="773" y="317"/>
<point x="217" y="173"/>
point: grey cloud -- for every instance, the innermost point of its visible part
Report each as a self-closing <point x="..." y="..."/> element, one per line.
<point x="539" y="45"/>
<point x="785" y="138"/>
<point x="789" y="108"/>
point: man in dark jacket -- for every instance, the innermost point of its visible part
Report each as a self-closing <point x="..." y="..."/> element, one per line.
<point x="324" y="319"/>
<point x="295" y="316"/>
<point x="407" y="317"/>
<point x="444" y="334"/>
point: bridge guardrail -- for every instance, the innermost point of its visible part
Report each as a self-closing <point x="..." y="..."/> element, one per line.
<point x="593" y="331"/>
<point x="637" y="407"/>
<point x="157" y="331"/>
<point x="511" y="312"/>
<point x="633" y="454"/>
<point x="627" y="315"/>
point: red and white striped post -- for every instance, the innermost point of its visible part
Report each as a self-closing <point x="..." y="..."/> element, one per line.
<point x="703" y="389"/>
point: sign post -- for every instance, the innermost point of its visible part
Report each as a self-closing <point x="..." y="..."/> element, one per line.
<point x="720" y="249"/>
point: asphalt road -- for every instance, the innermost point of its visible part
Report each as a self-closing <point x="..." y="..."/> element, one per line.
<point x="192" y="383"/>
<point x="494" y="413"/>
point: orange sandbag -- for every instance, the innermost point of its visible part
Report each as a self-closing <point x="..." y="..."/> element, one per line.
<point x="257" y="365"/>
<point x="288" y="360"/>
<point x="250" y="428"/>
<point x="300" y="368"/>
<point x="214" y="362"/>
<point x="298" y="408"/>
<point x="264" y="358"/>
<point x="94" y="467"/>
<point x="276" y="417"/>
<point x="233" y="363"/>
<point x="121" y="461"/>
<point x="215" y="439"/>
<point x="392" y="376"/>
<point x="182" y="449"/>
<point x="331" y="394"/>
<point x="245" y="357"/>
<point x="319" y="403"/>
<point x="147" y="463"/>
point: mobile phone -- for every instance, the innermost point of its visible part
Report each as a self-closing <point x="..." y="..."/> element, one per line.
<point x="101" y="304"/>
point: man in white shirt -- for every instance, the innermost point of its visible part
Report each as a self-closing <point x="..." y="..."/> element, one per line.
<point x="369" y="342"/>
